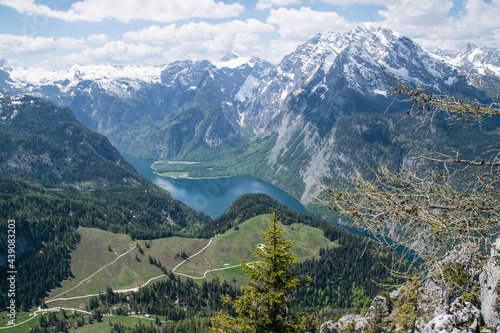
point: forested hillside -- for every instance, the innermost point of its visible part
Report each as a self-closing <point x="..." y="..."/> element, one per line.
<point x="57" y="175"/>
<point x="345" y="276"/>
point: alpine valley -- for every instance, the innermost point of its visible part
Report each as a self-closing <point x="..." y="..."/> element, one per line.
<point x="96" y="237"/>
<point x="322" y="111"/>
<point x="93" y="237"/>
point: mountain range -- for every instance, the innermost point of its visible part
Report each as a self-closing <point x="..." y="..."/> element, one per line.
<point x="46" y="150"/>
<point x="322" y="114"/>
<point x="292" y="124"/>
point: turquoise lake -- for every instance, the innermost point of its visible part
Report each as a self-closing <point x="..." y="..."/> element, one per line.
<point x="212" y="195"/>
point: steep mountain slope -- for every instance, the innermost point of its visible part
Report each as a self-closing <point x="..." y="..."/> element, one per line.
<point x="248" y="117"/>
<point x="57" y="175"/>
<point x="45" y="144"/>
<point x="473" y="58"/>
<point x="481" y="65"/>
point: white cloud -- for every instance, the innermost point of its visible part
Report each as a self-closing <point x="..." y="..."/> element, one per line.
<point x="350" y="2"/>
<point x="279" y="48"/>
<point x="112" y="52"/>
<point x="121" y="52"/>
<point x="153" y="33"/>
<point x="71" y="43"/>
<point x="201" y="31"/>
<point x="24" y="44"/>
<point x="98" y="39"/>
<point x="222" y="43"/>
<point x="302" y="24"/>
<point x="266" y="4"/>
<point x="436" y="24"/>
<point x="412" y="13"/>
<point x="128" y="10"/>
<point x="203" y="40"/>
<point x="246" y="44"/>
<point x="430" y="24"/>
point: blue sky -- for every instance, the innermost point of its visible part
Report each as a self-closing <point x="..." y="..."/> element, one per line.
<point x="60" y="33"/>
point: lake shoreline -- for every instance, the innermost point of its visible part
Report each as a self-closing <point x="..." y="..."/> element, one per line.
<point x="211" y="195"/>
<point x="186" y="177"/>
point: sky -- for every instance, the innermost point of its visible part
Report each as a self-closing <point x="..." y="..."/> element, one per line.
<point x="57" y="34"/>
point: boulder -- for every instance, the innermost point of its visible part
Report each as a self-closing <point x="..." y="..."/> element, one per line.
<point x="461" y="317"/>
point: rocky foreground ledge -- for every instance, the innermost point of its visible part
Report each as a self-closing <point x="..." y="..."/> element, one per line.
<point x="454" y="301"/>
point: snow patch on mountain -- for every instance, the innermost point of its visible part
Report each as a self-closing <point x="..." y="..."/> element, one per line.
<point x="328" y="62"/>
<point x="247" y="90"/>
<point x="474" y="59"/>
<point x="326" y="78"/>
<point x="234" y="60"/>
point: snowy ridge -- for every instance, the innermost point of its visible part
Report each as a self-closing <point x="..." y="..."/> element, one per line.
<point x="247" y="90"/>
<point x="476" y="60"/>
<point x="186" y="104"/>
<point x="326" y="78"/>
<point x="109" y="77"/>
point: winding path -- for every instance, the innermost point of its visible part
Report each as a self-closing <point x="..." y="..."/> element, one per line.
<point x="57" y="298"/>
<point x="41" y="311"/>
<point x="210" y="270"/>
<point x="194" y="255"/>
<point x="100" y="269"/>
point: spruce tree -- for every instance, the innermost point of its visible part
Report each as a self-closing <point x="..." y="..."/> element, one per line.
<point x="265" y="304"/>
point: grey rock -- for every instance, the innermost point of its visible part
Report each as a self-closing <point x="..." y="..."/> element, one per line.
<point x="355" y="323"/>
<point x="462" y="317"/>
<point x="358" y="323"/>
<point x="489" y="282"/>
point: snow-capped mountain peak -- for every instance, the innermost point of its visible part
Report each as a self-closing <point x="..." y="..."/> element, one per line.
<point x="473" y="59"/>
<point x="115" y="79"/>
<point x="230" y="56"/>
<point x="234" y="60"/>
<point x="98" y="72"/>
<point x="326" y="76"/>
<point x="171" y="111"/>
<point x="4" y="65"/>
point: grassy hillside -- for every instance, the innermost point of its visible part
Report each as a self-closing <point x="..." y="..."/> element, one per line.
<point x="235" y="245"/>
<point x="98" y="248"/>
<point x="345" y="271"/>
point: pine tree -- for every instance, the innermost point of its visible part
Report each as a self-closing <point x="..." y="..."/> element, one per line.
<point x="265" y="304"/>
